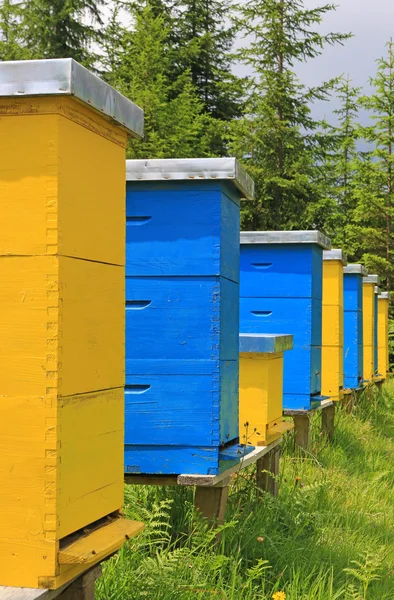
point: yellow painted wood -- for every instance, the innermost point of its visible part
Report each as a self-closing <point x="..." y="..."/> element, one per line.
<point x="383" y="336"/>
<point x="260" y="397"/>
<point x="111" y="536"/>
<point x="59" y="317"/>
<point x="64" y="192"/>
<point x="368" y="329"/>
<point x="62" y="214"/>
<point x="332" y="329"/>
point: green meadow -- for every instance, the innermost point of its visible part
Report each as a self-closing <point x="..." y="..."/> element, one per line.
<point x="329" y="534"/>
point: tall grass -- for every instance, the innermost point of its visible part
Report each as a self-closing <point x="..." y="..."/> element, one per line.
<point x="329" y="535"/>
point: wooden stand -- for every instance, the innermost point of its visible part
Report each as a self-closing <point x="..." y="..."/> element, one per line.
<point x="81" y="588"/>
<point x="212" y="490"/>
<point x="302" y="422"/>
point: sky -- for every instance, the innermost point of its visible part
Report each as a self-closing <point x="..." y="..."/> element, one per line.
<point x="372" y="24"/>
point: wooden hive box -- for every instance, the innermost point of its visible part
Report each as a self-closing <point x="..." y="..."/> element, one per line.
<point x="376" y="334"/>
<point x="353" y="357"/>
<point x="383" y="335"/>
<point x="63" y="140"/>
<point x="182" y="319"/>
<point x="369" y="326"/>
<point x="333" y="329"/>
<point x="261" y="387"/>
<point x="281" y="293"/>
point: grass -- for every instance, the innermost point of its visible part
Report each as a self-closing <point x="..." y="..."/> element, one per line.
<point x="329" y="535"/>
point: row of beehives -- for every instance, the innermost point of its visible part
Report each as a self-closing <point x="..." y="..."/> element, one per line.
<point x="62" y="320"/>
<point x="188" y="280"/>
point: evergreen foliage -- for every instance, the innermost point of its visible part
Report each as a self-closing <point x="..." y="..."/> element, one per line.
<point x="138" y="65"/>
<point x="62" y="29"/>
<point x="203" y="41"/>
<point x="374" y="186"/>
<point x="12" y="45"/>
<point x="278" y="138"/>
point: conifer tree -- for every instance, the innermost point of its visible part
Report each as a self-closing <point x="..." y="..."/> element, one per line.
<point x="12" y="32"/>
<point x="203" y="42"/>
<point x="373" y="215"/>
<point x="278" y="139"/>
<point x="338" y="169"/>
<point x="138" y="64"/>
<point x="63" y="29"/>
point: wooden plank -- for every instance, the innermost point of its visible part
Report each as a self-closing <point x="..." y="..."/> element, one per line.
<point x="83" y="588"/>
<point x="214" y="480"/>
<point x="301" y="430"/>
<point x="328" y="418"/>
<point x="321" y="406"/>
<point x="212" y="502"/>
<point x="19" y="593"/>
<point x="268" y="471"/>
<point x="150" y="479"/>
<point x="89" y="548"/>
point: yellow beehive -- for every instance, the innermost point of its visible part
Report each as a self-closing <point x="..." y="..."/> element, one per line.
<point x="62" y="215"/>
<point x="332" y="323"/>
<point x="383" y="334"/>
<point x="369" y="284"/>
<point x="261" y="387"/>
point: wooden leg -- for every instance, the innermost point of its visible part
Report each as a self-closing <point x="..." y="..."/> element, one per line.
<point x="328" y="417"/>
<point x="83" y="587"/>
<point x="301" y="431"/>
<point x="267" y="472"/>
<point x="212" y="502"/>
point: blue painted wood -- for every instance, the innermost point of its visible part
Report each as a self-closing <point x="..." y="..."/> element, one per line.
<point x="182" y="326"/>
<point x="281" y="293"/>
<point x="190" y="317"/>
<point x="281" y="271"/>
<point x="301" y="316"/>
<point x="171" y="408"/>
<point x="165" y="460"/>
<point x="182" y="228"/>
<point x="353" y="330"/>
<point x="375" y="336"/>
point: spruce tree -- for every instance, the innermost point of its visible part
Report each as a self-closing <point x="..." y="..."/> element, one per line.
<point x="63" y="29"/>
<point x="278" y="139"/>
<point x="12" y="32"/>
<point x="138" y="64"/>
<point x="338" y="169"/>
<point x="373" y="215"/>
<point x="203" y="42"/>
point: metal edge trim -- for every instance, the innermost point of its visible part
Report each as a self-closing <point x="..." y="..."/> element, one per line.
<point x="285" y="237"/>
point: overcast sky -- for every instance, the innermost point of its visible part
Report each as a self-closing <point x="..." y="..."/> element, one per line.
<point x="372" y="24"/>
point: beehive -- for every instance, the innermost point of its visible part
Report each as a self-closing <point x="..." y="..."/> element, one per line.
<point x="375" y="335"/>
<point x="261" y="387"/>
<point x="369" y="323"/>
<point x="281" y="293"/>
<point x="182" y="318"/>
<point x="383" y="335"/>
<point x="353" y="359"/>
<point x="63" y="140"/>
<point x="332" y="337"/>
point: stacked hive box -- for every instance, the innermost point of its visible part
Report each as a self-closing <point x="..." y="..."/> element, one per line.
<point x="182" y="317"/>
<point x="383" y="335"/>
<point x="353" y="325"/>
<point x="281" y="293"/>
<point x="332" y="349"/>
<point x="61" y="320"/>
<point x="369" y="322"/>
<point x="378" y="375"/>
<point x="261" y="387"/>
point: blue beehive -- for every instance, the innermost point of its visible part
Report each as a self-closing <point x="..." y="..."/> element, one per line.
<point x="353" y="325"/>
<point x="281" y="292"/>
<point x="376" y="332"/>
<point x="182" y="317"/>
